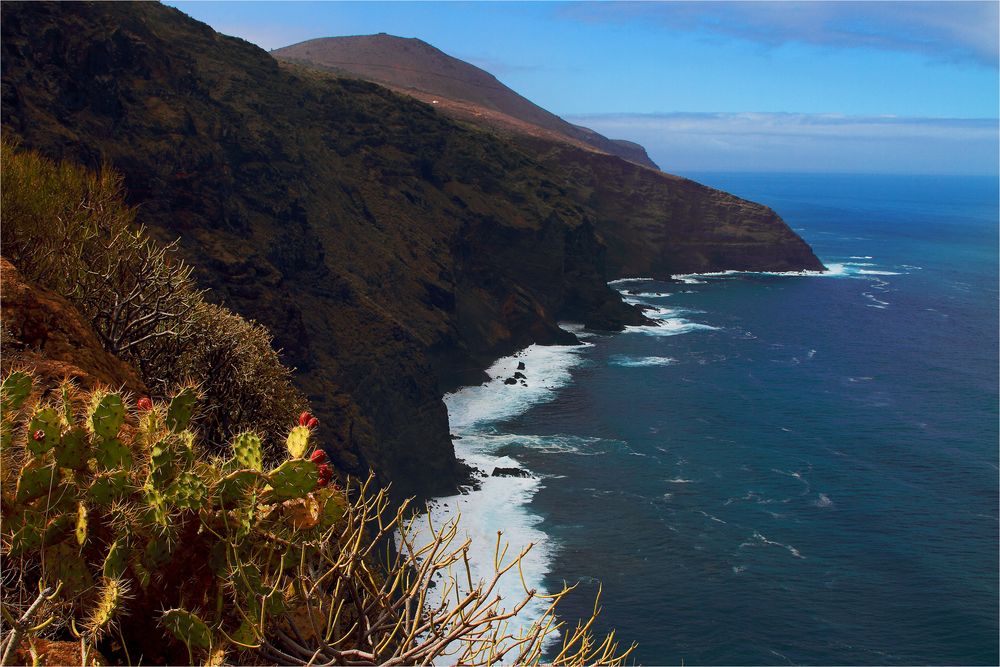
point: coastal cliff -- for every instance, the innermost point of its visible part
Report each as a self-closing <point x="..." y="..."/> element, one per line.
<point x="392" y="251"/>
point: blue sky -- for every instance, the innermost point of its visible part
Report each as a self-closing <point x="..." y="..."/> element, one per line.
<point x="749" y="86"/>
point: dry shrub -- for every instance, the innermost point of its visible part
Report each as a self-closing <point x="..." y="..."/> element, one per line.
<point x="69" y="229"/>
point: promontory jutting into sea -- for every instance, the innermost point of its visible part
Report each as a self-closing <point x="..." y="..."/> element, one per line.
<point x="406" y="345"/>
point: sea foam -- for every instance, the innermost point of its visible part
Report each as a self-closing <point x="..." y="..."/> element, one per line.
<point x="502" y="503"/>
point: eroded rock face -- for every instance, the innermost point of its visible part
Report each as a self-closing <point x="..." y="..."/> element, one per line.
<point x="46" y="334"/>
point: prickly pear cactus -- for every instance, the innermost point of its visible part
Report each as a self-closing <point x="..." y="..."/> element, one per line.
<point x="298" y="442"/>
<point x="73" y="449"/>
<point x="181" y="409"/>
<point x="109" y="602"/>
<point x="14" y="391"/>
<point x="81" y="524"/>
<point x="292" y="479"/>
<point x="114" y="564"/>
<point x="37" y="479"/>
<point x="247" y="452"/>
<point x="233" y="488"/>
<point x="112" y="454"/>
<point x="188" y="628"/>
<point x="64" y="563"/>
<point x="44" y="430"/>
<point x="107" y="414"/>
<point x="106" y="487"/>
<point x="188" y="491"/>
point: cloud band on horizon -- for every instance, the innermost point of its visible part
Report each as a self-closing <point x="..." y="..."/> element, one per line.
<point x="681" y="142"/>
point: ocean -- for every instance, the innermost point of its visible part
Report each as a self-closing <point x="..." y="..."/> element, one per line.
<point x="788" y="469"/>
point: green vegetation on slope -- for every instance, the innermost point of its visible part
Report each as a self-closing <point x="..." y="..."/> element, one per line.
<point x="69" y="229"/>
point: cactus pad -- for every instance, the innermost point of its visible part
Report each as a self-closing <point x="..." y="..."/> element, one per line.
<point x="188" y="628"/>
<point x="109" y="601"/>
<point x="298" y="442"/>
<point x="161" y="463"/>
<point x="107" y="486"/>
<point x="81" y="524"/>
<point x="292" y="479"/>
<point x="112" y="454"/>
<point x="14" y="391"/>
<point x="73" y="449"/>
<point x="35" y="481"/>
<point x="64" y="563"/>
<point x="181" y="409"/>
<point x="188" y="491"/>
<point x="48" y="422"/>
<point x="247" y="451"/>
<point x="114" y="563"/>
<point x="158" y="504"/>
<point x="232" y="488"/>
<point x="106" y="415"/>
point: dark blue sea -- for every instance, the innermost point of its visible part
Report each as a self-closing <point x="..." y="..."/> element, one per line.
<point x="789" y="469"/>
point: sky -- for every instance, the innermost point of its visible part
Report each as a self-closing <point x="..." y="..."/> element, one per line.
<point x="891" y="87"/>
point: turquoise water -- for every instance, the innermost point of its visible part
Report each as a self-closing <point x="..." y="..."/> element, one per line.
<point x="792" y="469"/>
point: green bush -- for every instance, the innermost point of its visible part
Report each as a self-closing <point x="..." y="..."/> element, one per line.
<point x="69" y="229"/>
<point x="128" y="539"/>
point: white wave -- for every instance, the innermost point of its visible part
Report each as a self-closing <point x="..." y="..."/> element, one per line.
<point x="630" y="362"/>
<point x="861" y="257"/>
<point x="547" y="369"/>
<point x="823" y="501"/>
<point x="645" y="295"/>
<point x="499" y="505"/>
<point x="679" y="480"/>
<point x="673" y="326"/>
<point x="622" y="281"/>
<point x="759" y="539"/>
<point x="739" y="568"/>
<point x="870" y="272"/>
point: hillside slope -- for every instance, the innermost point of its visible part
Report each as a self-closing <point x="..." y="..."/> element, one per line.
<point x="428" y="73"/>
<point x="654" y="224"/>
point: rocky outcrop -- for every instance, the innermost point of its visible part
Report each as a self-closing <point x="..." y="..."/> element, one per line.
<point x="656" y="225"/>
<point x="44" y="333"/>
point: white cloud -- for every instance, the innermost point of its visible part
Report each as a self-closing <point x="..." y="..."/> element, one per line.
<point x="953" y="31"/>
<point x="808" y="142"/>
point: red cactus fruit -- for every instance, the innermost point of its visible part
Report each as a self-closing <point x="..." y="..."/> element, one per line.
<point x="304" y="418"/>
<point x="313" y="423"/>
<point x="318" y="457"/>
<point x="325" y="474"/>
<point x="38" y="435"/>
<point x="144" y="404"/>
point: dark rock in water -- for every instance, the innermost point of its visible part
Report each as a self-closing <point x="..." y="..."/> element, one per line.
<point x="520" y="365"/>
<point x="520" y="376"/>
<point x="523" y="383"/>
<point x="510" y="472"/>
<point x="510" y="381"/>
<point x="455" y="437"/>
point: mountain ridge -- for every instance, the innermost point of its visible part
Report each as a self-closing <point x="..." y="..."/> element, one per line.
<point x="414" y="66"/>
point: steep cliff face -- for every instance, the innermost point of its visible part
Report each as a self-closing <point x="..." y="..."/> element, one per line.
<point x="656" y="225"/>
<point x="391" y="251"/>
